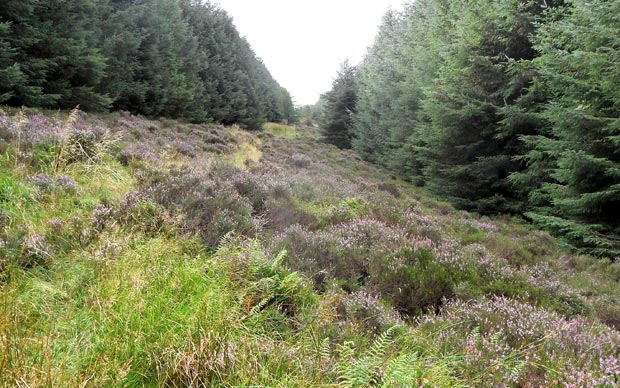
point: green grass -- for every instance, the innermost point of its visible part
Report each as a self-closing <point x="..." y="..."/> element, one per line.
<point x="132" y="309"/>
<point x="281" y="130"/>
<point x="141" y="301"/>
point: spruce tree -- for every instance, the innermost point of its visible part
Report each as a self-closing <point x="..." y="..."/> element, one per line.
<point x="173" y="58"/>
<point x="23" y="69"/>
<point x="472" y="138"/>
<point x="577" y="155"/>
<point x="340" y="106"/>
<point x="70" y="42"/>
<point x="389" y="92"/>
<point x="378" y="87"/>
<point x="11" y="76"/>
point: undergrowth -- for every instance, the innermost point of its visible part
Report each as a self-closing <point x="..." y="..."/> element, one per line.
<point x="137" y="253"/>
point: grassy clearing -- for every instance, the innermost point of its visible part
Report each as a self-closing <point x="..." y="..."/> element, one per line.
<point x="245" y="155"/>
<point x="281" y="130"/>
<point x="247" y="150"/>
<point x="302" y="267"/>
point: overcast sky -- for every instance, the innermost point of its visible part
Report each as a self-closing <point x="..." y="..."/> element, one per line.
<point x="303" y="42"/>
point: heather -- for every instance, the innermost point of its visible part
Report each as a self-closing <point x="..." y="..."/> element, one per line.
<point x="140" y="252"/>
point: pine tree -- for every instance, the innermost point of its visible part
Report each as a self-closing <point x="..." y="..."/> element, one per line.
<point x="173" y="58"/>
<point x="474" y="131"/>
<point x="340" y="106"/>
<point x="22" y="69"/>
<point x="576" y="157"/>
<point x="386" y="125"/>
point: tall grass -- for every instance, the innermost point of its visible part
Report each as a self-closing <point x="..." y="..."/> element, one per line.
<point x="111" y="274"/>
<point x="281" y="130"/>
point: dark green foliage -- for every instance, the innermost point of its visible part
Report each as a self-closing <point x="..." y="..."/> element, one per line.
<point x="577" y="153"/>
<point x="472" y="136"/>
<point x="386" y="128"/>
<point x="239" y="88"/>
<point x="340" y="101"/>
<point x="179" y="58"/>
<point x="417" y="285"/>
<point x="502" y="106"/>
<point x="447" y="119"/>
<point x="11" y="76"/>
<point x="152" y="59"/>
<point x="51" y="58"/>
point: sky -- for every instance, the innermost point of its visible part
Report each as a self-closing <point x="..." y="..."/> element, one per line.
<point x="303" y="42"/>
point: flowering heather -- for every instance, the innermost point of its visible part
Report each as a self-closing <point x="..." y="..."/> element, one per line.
<point x="370" y="310"/>
<point x="101" y="216"/>
<point x="482" y="225"/>
<point x="35" y="250"/>
<point x="47" y="184"/>
<point x="32" y="130"/>
<point x="511" y="342"/>
<point x="300" y="160"/>
<point x="178" y="230"/>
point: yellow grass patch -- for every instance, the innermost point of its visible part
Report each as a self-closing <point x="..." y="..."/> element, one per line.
<point x="247" y="151"/>
<point x="281" y="130"/>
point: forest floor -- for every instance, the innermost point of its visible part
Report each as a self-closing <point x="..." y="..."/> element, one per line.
<point x="143" y="253"/>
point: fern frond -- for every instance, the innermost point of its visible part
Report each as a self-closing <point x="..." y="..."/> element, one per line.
<point x="226" y="240"/>
<point x="379" y="346"/>
<point x="346" y="364"/>
<point x="259" y="307"/>
<point x="290" y="284"/>
<point x="278" y="261"/>
<point x="401" y="371"/>
<point x="325" y="349"/>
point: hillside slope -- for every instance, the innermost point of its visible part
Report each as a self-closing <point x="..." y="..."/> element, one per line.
<point x="139" y="253"/>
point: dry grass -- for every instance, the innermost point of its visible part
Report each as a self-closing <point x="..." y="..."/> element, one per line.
<point x="281" y="130"/>
<point x="120" y="299"/>
<point x="247" y="150"/>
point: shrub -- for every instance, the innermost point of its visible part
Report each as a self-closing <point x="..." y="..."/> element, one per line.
<point x="390" y="188"/>
<point x="138" y="211"/>
<point x="413" y="280"/>
<point x="35" y="251"/>
<point x="344" y="251"/>
<point x="507" y="342"/>
<point x="300" y="160"/>
<point x="370" y="311"/>
<point x="215" y="211"/>
<point x="283" y="213"/>
<point x="65" y="235"/>
<point x="384" y="207"/>
<point x="608" y="311"/>
<point x="309" y="252"/>
<point x="247" y="185"/>
<point x="211" y="209"/>
<point x="60" y="184"/>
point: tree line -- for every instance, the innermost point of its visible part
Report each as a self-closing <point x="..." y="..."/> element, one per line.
<point x="173" y="58"/>
<point x="499" y="106"/>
